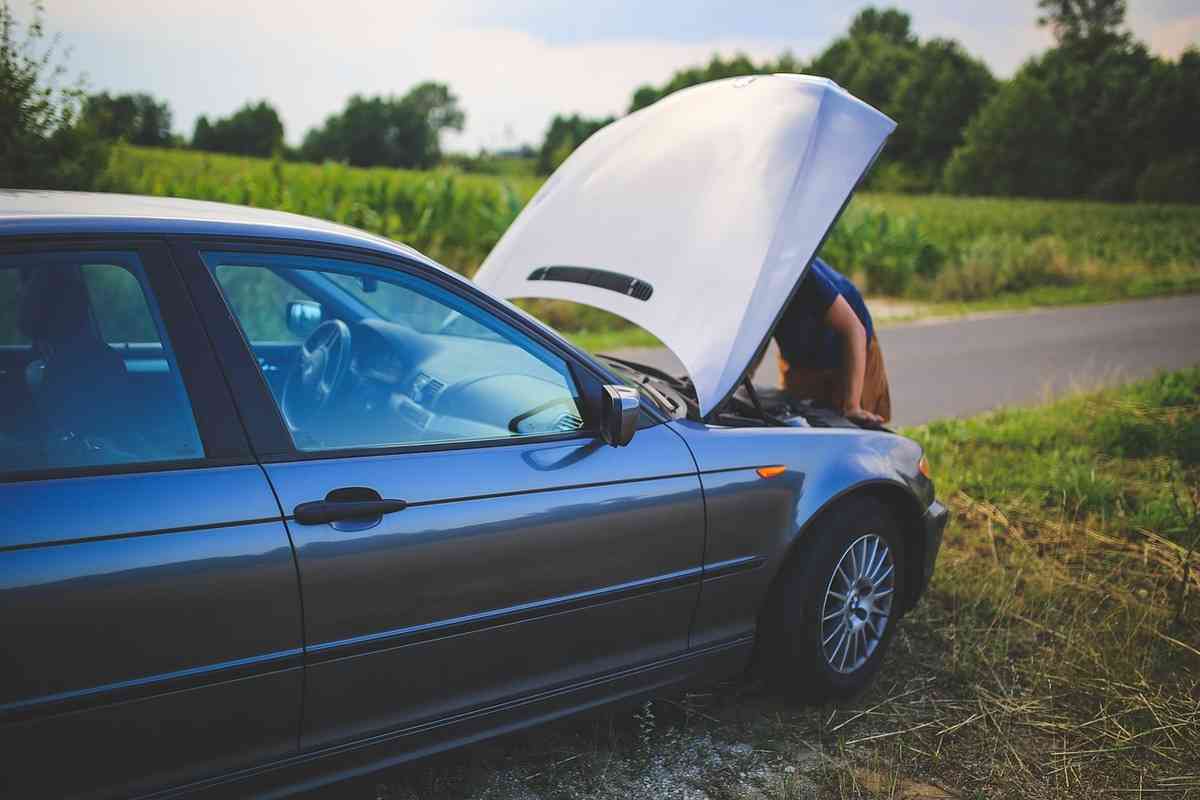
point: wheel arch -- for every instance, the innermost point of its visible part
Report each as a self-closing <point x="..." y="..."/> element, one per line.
<point x="899" y="499"/>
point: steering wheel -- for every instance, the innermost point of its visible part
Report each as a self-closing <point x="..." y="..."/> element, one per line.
<point x="317" y="375"/>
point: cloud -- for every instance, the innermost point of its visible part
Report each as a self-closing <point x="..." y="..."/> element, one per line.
<point x="209" y="59"/>
<point x="510" y="79"/>
<point x="1170" y="39"/>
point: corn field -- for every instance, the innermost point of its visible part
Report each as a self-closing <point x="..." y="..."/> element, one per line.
<point x="931" y="247"/>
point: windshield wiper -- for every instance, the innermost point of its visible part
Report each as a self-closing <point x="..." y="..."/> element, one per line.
<point x="758" y="406"/>
<point x="642" y="369"/>
<point x="658" y="395"/>
<point x="641" y="376"/>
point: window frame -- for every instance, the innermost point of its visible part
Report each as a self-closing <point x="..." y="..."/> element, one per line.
<point x="222" y="436"/>
<point x="267" y="430"/>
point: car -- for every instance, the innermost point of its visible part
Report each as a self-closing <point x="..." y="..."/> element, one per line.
<point x="285" y="502"/>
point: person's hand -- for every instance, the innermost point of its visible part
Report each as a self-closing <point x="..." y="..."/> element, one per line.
<point x="860" y="416"/>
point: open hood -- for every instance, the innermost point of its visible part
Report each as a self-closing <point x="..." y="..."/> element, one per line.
<point x="696" y="217"/>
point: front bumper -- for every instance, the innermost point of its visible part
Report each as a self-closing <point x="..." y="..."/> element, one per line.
<point x="933" y="525"/>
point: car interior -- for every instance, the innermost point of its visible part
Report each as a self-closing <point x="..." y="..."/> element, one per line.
<point x="356" y="361"/>
<point x="75" y="391"/>
<point x="70" y="396"/>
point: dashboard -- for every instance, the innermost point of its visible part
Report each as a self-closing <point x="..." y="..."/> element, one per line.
<point x="403" y="386"/>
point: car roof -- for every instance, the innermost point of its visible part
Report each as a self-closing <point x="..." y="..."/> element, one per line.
<point x="26" y="212"/>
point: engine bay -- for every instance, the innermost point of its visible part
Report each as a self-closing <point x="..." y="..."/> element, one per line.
<point x="766" y="406"/>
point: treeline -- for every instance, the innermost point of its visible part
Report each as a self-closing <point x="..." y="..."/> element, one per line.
<point x="1096" y="116"/>
<point x="932" y="88"/>
<point x="56" y="135"/>
<point x="387" y="131"/>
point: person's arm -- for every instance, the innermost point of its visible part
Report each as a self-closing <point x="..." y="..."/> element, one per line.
<point x="841" y="318"/>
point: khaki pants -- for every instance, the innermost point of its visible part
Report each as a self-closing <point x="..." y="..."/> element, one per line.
<point x="827" y="387"/>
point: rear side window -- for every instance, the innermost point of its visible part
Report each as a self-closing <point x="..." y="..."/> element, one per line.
<point x="87" y="374"/>
<point x="10" y="330"/>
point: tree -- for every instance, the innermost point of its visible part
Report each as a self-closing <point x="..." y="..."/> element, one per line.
<point x="253" y="130"/>
<point x="1083" y="22"/>
<point x="872" y="58"/>
<point x="1081" y="122"/>
<point x="890" y="24"/>
<point x="1096" y="116"/>
<point x="1167" y="127"/>
<point x="41" y="143"/>
<point x="568" y="132"/>
<point x="563" y="136"/>
<point x="388" y="131"/>
<point x="931" y="89"/>
<point x="436" y="105"/>
<point x="136" y="118"/>
<point x="933" y="100"/>
<point x="715" y="69"/>
<point x="1011" y="146"/>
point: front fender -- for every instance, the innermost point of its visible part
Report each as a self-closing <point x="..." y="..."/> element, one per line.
<point x="754" y="523"/>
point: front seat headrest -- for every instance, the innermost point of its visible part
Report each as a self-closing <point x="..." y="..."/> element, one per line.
<point x="55" y="309"/>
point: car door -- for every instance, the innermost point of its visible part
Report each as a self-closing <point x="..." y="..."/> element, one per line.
<point x="149" y="601"/>
<point x="513" y="551"/>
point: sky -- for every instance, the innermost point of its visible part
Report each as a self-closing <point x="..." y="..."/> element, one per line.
<point x="512" y="63"/>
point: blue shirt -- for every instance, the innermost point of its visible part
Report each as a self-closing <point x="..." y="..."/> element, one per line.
<point x="804" y="338"/>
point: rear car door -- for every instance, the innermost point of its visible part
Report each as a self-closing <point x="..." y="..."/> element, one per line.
<point x="524" y="553"/>
<point x="149" y="601"/>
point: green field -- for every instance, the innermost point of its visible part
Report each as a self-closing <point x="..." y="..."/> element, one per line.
<point x="957" y="253"/>
<point x="451" y="216"/>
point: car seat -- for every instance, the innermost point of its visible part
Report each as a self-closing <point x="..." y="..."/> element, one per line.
<point x="81" y="391"/>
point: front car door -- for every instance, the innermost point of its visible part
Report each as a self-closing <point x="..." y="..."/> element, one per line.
<point x="528" y="554"/>
<point x="148" y="595"/>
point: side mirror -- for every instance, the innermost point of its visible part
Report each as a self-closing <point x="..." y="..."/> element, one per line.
<point x="619" y="414"/>
<point x="303" y="317"/>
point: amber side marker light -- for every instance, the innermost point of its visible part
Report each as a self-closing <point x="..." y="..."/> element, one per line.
<point x="770" y="472"/>
<point x="923" y="467"/>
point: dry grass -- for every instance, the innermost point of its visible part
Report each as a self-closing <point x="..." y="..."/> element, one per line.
<point x="1049" y="666"/>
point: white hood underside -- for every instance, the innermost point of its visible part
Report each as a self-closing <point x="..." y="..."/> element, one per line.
<point x="715" y="199"/>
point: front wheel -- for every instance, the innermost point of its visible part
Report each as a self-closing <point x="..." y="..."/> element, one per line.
<point x="835" y="605"/>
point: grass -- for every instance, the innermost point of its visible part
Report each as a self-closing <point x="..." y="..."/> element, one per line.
<point x="957" y="254"/>
<point x="1114" y="459"/>
<point x="608" y="341"/>
<point x="1105" y="233"/>
<point x="1054" y="656"/>
<point x="1057" y="296"/>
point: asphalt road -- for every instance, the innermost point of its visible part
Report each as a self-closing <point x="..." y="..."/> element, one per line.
<point x="954" y="368"/>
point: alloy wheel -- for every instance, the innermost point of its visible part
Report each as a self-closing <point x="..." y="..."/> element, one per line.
<point x="858" y="603"/>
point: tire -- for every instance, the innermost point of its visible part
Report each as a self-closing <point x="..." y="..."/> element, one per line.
<point x="815" y="648"/>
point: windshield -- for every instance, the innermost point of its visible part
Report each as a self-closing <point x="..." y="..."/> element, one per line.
<point x="396" y="303"/>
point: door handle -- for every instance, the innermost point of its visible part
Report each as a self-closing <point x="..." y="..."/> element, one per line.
<point x="346" y="504"/>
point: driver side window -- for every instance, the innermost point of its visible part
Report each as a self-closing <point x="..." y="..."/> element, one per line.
<point x="360" y="356"/>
